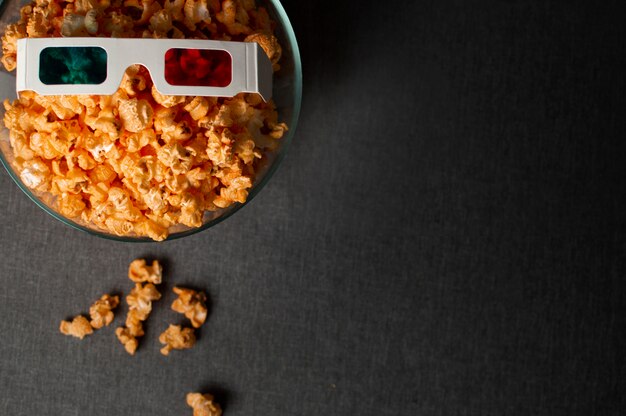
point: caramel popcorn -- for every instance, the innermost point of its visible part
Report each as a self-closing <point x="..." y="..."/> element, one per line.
<point x="128" y="340"/>
<point x="79" y="327"/>
<point x="140" y="272"/>
<point x="139" y="301"/>
<point x="203" y="404"/>
<point x="270" y="45"/>
<point x="101" y="312"/>
<point x="136" y="114"/>
<point x="191" y="304"/>
<point x="139" y="163"/>
<point x="176" y="338"/>
<point x="140" y="305"/>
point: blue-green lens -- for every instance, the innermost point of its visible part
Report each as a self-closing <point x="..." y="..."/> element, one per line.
<point x="72" y="65"/>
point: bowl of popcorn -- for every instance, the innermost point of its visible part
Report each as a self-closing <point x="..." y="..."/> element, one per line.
<point x="146" y="120"/>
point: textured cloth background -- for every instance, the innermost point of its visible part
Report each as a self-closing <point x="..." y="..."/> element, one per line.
<point x="443" y="238"/>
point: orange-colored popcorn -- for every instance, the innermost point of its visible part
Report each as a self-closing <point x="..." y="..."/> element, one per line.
<point x="140" y="272"/>
<point x="101" y="312"/>
<point x="177" y="338"/>
<point x="79" y="327"/>
<point x="136" y="114"/>
<point x="191" y="304"/>
<point x="128" y="340"/>
<point x="270" y="45"/>
<point x="139" y="163"/>
<point x="139" y="301"/>
<point x="134" y="323"/>
<point x="203" y="404"/>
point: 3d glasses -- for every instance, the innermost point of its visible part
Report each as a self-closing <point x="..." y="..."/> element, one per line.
<point x="95" y="66"/>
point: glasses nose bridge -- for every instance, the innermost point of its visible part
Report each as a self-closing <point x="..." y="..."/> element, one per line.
<point x="148" y="58"/>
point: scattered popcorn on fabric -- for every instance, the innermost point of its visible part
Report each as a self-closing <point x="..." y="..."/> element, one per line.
<point x="101" y="314"/>
<point x="139" y="301"/>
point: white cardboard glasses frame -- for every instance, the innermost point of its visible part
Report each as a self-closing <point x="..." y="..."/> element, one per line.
<point x="251" y="68"/>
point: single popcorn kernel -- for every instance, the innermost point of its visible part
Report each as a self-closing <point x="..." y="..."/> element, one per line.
<point x="270" y="46"/>
<point x="79" y="327"/>
<point x="101" y="312"/>
<point x="134" y="323"/>
<point x="191" y="304"/>
<point x="139" y="272"/>
<point x="203" y="404"/>
<point x="140" y="299"/>
<point x="176" y="338"/>
<point x="129" y="341"/>
<point x="136" y="114"/>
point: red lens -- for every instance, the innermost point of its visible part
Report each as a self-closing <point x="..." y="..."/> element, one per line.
<point x="198" y="67"/>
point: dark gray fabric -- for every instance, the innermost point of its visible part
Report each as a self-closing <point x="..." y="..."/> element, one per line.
<point x="443" y="238"/>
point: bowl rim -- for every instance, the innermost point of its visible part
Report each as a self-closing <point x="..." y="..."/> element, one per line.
<point x="279" y="156"/>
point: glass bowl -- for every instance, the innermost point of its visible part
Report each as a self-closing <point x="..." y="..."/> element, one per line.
<point x="287" y="95"/>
